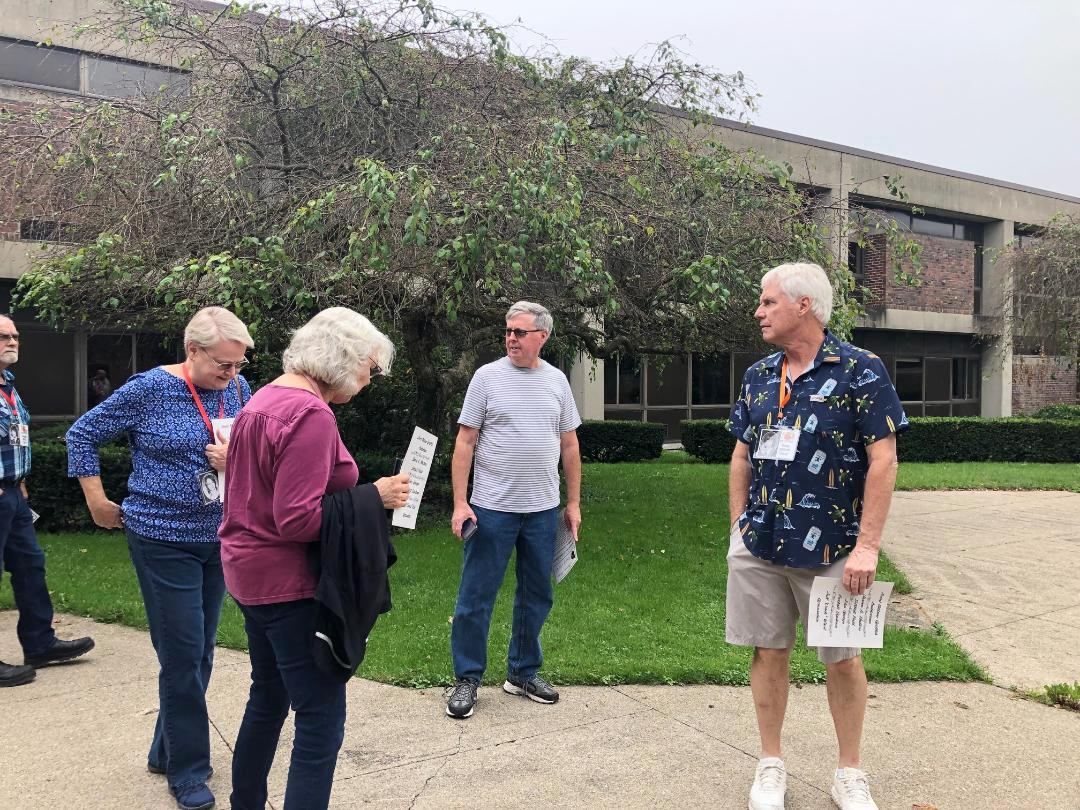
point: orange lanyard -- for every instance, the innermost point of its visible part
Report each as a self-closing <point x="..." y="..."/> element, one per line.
<point x="198" y="402"/>
<point x="785" y="392"/>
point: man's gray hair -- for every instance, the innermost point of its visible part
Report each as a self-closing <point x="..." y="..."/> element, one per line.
<point x="334" y="346"/>
<point x="541" y="316"/>
<point x="803" y="278"/>
<point x="211" y="325"/>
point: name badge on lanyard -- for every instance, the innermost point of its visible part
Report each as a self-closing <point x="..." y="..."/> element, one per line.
<point x="779" y="443"/>
<point x="207" y="479"/>
<point x="18" y="433"/>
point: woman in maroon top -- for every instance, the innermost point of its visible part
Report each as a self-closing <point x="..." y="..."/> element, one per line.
<point x="284" y="456"/>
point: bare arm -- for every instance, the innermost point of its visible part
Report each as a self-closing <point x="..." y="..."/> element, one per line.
<point x="861" y="566"/>
<point x="571" y="462"/>
<point x="739" y="478"/>
<point x="460" y="467"/>
<point x="105" y="513"/>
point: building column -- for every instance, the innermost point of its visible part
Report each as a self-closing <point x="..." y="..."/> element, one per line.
<point x="997" y="357"/>
<point x="587" y="383"/>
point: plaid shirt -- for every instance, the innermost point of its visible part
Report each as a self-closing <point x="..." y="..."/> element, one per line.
<point x="14" y="461"/>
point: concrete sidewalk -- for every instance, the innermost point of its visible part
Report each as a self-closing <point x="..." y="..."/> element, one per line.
<point x="77" y="736"/>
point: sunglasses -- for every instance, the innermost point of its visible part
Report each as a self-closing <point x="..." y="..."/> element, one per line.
<point x="520" y="333"/>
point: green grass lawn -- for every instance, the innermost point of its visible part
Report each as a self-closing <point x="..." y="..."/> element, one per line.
<point x="645" y="604"/>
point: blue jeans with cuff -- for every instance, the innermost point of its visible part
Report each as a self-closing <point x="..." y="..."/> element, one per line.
<point x="486" y="556"/>
<point x="183" y="587"/>
<point x="283" y="673"/>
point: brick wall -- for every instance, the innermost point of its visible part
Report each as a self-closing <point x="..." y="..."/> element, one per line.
<point x="948" y="276"/>
<point x="1040" y="381"/>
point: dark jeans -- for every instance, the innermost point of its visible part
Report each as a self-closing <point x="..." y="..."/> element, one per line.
<point x="25" y="561"/>
<point x="487" y="554"/>
<point x="283" y="673"/>
<point x="183" y="587"/>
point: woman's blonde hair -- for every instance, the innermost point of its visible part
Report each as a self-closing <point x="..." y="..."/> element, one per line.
<point x="211" y="325"/>
<point x="334" y="346"/>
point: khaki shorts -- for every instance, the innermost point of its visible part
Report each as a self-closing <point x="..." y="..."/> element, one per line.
<point x="764" y="601"/>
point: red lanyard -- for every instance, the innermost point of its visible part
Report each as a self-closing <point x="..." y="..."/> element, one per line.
<point x="785" y="392"/>
<point x="198" y="402"/>
<point x="11" y="401"/>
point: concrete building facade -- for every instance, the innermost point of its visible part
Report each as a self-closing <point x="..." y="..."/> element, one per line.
<point x="947" y="350"/>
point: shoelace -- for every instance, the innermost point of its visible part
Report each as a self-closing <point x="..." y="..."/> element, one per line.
<point x="857" y="787"/>
<point x="461" y="690"/>
<point x="771" y="777"/>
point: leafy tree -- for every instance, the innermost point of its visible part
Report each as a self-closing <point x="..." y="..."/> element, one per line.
<point x="406" y="162"/>
<point x="1043" y="312"/>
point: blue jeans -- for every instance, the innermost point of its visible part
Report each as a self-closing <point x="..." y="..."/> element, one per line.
<point x="283" y="673"/>
<point x="25" y="561"/>
<point x="182" y="587"/>
<point x="486" y="556"/>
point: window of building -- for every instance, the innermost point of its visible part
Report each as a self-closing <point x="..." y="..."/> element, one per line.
<point x="978" y="286"/>
<point x="930" y="224"/>
<point x="27" y="63"/>
<point x="119" y="79"/>
<point x="45" y="375"/>
<point x="856" y="262"/>
<point x="61" y="69"/>
<point x="622" y="381"/>
<point x="932" y="227"/>
<point x="966" y="378"/>
<point x="712" y="379"/>
<point x="909" y="379"/>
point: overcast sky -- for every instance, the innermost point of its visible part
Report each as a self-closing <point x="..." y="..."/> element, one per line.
<point x="984" y="86"/>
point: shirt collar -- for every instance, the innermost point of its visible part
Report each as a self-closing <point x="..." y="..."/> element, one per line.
<point x="828" y="353"/>
<point x="9" y="375"/>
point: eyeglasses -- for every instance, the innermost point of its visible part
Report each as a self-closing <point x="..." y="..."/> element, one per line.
<point x="239" y="365"/>
<point x="376" y="369"/>
<point x="6" y="338"/>
<point x="520" y="333"/>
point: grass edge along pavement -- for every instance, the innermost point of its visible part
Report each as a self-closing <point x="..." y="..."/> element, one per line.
<point x="645" y="605"/>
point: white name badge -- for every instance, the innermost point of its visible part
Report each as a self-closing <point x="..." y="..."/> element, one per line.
<point x="19" y="435"/>
<point x="778" y="444"/>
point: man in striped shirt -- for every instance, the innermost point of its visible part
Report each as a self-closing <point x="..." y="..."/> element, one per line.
<point x="22" y="555"/>
<point x="517" y="422"/>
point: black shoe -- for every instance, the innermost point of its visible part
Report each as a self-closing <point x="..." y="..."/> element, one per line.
<point x="157" y="769"/>
<point x="462" y="700"/>
<point x="194" y="797"/>
<point x="535" y="688"/>
<point x="61" y="651"/>
<point x="15" y="675"/>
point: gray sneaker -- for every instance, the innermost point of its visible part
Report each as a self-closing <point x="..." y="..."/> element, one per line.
<point x="462" y="700"/>
<point x="534" y="688"/>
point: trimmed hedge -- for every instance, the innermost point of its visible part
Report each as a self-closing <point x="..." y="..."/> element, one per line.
<point x="59" y="499"/>
<point x="620" y="440"/>
<point x="931" y="438"/>
<point x="708" y="439"/>
<point x="1060" y="411"/>
<point x="970" y="438"/>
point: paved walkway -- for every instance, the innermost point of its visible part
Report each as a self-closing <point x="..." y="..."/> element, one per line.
<point x="77" y="736"/>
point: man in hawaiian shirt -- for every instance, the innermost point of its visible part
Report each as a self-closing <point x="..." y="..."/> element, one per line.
<point x="811" y="481"/>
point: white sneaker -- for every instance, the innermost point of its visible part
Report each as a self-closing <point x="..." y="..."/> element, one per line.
<point x="770" y="785"/>
<point x="851" y="790"/>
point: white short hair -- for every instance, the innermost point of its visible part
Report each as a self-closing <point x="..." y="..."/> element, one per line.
<point x="804" y="279"/>
<point x="541" y="316"/>
<point x="211" y="325"/>
<point x="334" y="346"/>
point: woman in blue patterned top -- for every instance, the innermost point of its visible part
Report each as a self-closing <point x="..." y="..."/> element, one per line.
<point x="171" y="517"/>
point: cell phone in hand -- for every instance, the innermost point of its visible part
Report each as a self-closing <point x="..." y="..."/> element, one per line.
<point x="468" y="528"/>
